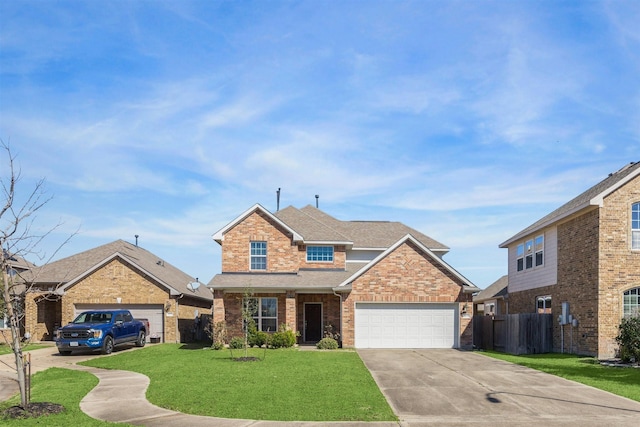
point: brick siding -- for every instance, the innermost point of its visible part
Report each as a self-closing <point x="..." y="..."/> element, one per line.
<point x="406" y="275"/>
<point x="114" y="280"/>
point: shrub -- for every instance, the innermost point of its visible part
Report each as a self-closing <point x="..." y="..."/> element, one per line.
<point x="284" y="338"/>
<point x="258" y="338"/>
<point x="629" y="339"/>
<point x="330" y="333"/>
<point x="327" y="344"/>
<point x="217" y="345"/>
<point x="236" y="343"/>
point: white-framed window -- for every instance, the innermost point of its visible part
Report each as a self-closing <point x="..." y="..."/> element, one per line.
<point x="319" y="253"/>
<point x="539" y="250"/>
<point x="520" y="257"/>
<point x="635" y="226"/>
<point x="264" y="312"/>
<point x="631" y="303"/>
<point x="528" y="257"/>
<point x="530" y="254"/>
<point x="258" y="256"/>
<point x="543" y="304"/>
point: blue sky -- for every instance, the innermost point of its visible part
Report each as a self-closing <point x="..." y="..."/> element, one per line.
<point x="467" y="120"/>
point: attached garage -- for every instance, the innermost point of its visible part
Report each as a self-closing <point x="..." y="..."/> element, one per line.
<point x="154" y="313"/>
<point x="406" y="325"/>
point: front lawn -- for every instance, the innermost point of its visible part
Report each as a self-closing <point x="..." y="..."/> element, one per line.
<point x="288" y="385"/>
<point x="586" y="370"/>
<point x="62" y="386"/>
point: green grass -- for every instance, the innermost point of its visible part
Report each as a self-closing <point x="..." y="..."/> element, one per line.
<point x="288" y="385"/>
<point x="6" y="349"/>
<point x="586" y="370"/>
<point x="62" y="386"/>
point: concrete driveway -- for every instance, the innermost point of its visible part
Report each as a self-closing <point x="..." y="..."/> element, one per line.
<point x="451" y="387"/>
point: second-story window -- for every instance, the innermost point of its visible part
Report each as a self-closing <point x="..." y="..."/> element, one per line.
<point x="528" y="259"/>
<point x="539" y="248"/>
<point x="319" y="253"/>
<point x="635" y="226"/>
<point x="520" y="257"/>
<point x="258" y="255"/>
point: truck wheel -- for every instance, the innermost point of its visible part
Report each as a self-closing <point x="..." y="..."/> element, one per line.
<point x="142" y="339"/>
<point x="107" y="345"/>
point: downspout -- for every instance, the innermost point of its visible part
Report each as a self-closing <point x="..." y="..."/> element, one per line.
<point x="341" y="330"/>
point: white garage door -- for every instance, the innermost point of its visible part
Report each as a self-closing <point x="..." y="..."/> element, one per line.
<point x="395" y="325"/>
<point x="154" y="313"/>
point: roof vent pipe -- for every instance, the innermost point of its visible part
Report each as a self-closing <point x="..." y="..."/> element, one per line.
<point x="317" y="197"/>
<point x="137" y="240"/>
<point x="278" y="200"/>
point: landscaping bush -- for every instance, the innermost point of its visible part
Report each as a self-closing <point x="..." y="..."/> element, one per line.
<point x="236" y="343"/>
<point x="327" y="344"/>
<point x="258" y="338"/>
<point x="284" y="338"/>
<point x="629" y="339"/>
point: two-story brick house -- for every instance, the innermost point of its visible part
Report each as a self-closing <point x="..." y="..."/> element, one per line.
<point x="585" y="253"/>
<point x="377" y="283"/>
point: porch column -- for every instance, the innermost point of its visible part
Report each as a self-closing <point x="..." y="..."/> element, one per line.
<point x="218" y="306"/>
<point x="291" y="314"/>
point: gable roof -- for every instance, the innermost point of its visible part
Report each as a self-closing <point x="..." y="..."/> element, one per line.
<point x="218" y="236"/>
<point x="466" y="283"/>
<point x="592" y="197"/>
<point x="497" y="290"/>
<point x="68" y="271"/>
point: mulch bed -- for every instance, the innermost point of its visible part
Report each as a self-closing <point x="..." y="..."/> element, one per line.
<point x="247" y="359"/>
<point x="33" y="410"/>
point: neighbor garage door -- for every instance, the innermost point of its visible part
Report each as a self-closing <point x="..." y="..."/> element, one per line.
<point x="395" y="325"/>
<point x="154" y="313"/>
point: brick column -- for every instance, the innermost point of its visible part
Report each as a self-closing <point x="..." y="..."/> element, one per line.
<point x="291" y="313"/>
<point x="218" y="306"/>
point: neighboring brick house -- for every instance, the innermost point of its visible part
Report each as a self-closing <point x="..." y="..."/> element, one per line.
<point x="585" y="253"/>
<point x="117" y="275"/>
<point x="377" y="283"/>
<point x="15" y="265"/>
<point x="492" y="300"/>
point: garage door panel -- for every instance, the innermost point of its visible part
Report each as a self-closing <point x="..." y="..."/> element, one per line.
<point x="397" y="325"/>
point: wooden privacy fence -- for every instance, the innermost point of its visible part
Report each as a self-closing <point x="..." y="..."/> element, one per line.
<point x="525" y="333"/>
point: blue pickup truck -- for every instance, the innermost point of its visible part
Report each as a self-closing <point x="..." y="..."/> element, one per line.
<point x="101" y="330"/>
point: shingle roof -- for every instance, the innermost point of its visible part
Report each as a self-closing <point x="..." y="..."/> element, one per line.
<point x="497" y="289"/>
<point x="303" y="279"/>
<point x="311" y="229"/>
<point x="319" y="226"/>
<point x="67" y="271"/>
<point x="591" y="197"/>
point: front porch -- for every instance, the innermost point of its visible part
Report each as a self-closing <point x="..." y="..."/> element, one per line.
<point x="309" y="314"/>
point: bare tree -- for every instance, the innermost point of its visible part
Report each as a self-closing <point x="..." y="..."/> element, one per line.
<point x="18" y="240"/>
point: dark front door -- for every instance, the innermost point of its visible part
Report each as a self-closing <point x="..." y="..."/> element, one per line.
<point x="313" y="322"/>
